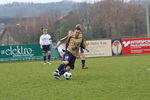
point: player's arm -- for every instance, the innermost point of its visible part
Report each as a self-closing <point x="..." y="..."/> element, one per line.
<point x="41" y="42"/>
<point x="56" y="47"/>
<point x="62" y="41"/>
<point x="50" y="40"/>
<point x="84" y="45"/>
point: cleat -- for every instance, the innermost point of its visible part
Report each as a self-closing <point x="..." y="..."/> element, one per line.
<point x="49" y="63"/>
<point x="56" y="75"/>
<point x="44" y="63"/>
<point x="84" y="67"/>
<point x="57" y="71"/>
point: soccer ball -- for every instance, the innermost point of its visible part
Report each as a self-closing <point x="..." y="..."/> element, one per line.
<point x="67" y="75"/>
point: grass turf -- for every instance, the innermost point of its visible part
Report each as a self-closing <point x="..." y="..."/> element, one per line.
<point x="108" y="78"/>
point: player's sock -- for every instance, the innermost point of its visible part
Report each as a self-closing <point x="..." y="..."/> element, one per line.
<point x="83" y="63"/>
<point x="62" y="71"/>
<point x="49" y="58"/>
<point x="44" y="59"/>
<point x="61" y="66"/>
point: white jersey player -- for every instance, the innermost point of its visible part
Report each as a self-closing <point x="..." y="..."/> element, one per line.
<point x="62" y="47"/>
<point x="45" y="43"/>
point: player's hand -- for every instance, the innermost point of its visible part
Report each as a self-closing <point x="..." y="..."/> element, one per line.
<point x="87" y="50"/>
<point x="78" y="56"/>
<point x="55" y="47"/>
<point x="41" y="47"/>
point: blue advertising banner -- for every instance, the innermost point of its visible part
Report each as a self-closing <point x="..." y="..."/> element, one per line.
<point x="116" y="47"/>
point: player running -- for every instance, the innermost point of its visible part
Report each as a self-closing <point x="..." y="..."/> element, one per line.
<point x="62" y="47"/>
<point x="45" y="43"/>
<point x="75" y="42"/>
<point x="81" y="50"/>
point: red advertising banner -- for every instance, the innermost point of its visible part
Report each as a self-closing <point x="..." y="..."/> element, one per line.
<point x="136" y="46"/>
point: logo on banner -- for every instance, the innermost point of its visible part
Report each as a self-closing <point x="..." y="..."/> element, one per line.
<point x="136" y="46"/>
<point x="117" y="47"/>
<point x="17" y="52"/>
<point x="126" y="43"/>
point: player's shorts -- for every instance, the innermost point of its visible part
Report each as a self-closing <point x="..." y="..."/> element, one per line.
<point x="46" y="48"/>
<point x="69" y="57"/>
<point x="81" y="50"/>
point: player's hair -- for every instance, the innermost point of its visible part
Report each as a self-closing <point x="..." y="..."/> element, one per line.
<point x="78" y="27"/>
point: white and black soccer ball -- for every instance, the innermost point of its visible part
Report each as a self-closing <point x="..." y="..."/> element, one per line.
<point x="67" y="75"/>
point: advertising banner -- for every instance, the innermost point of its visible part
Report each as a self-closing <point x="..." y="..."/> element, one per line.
<point x="116" y="47"/>
<point x="22" y="52"/>
<point x="136" y="46"/>
<point x="99" y="48"/>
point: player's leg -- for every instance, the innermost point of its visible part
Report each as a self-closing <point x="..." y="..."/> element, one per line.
<point x="69" y="66"/>
<point x="44" y="57"/>
<point x="60" y="70"/>
<point x="44" y="53"/>
<point x="64" y="66"/>
<point x="49" y="54"/>
<point x="61" y="54"/>
<point x="82" y="56"/>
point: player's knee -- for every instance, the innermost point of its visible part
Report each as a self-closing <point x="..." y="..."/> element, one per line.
<point x="44" y="54"/>
<point x="68" y="68"/>
<point x="49" y="52"/>
<point x="61" y="54"/>
<point x="82" y="57"/>
<point x="66" y="62"/>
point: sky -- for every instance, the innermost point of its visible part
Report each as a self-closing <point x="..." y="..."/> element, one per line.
<point x="41" y="1"/>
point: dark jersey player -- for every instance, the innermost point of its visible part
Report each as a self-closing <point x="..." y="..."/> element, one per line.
<point x="75" y="42"/>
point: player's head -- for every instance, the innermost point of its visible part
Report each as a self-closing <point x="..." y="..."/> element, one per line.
<point x="45" y="30"/>
<point x="77" y="32"/>
<point x="78" y="28"/>
<point x="70" y="33"/>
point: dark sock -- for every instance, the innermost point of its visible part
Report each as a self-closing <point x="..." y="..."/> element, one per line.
<point x="62" y="71"/>
<point x="61" y="66"/>
<point x="83" y="63"/>
<point x="49" y="58"/>
<point x="44" y="58"/>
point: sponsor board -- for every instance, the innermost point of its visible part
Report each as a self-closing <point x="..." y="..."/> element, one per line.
<point x="23" y="52"/>
<point x="136" y="46"/>
<point x="116" y="47"/>
<point x="99" y="48"/>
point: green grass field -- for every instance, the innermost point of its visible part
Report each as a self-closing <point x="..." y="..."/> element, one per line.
<point x="108" y="78"/>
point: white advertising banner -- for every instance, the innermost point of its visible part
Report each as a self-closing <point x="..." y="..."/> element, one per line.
<point x="99" y="48"/>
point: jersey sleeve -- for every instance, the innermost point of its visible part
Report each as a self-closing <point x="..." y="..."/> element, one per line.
<point x="83" y="44"/>
<point x="40" y="40"/>
<point x="50" y="39"/>
<point x="64" y="40"/>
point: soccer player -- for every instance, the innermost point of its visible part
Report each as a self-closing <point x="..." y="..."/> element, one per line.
<point x="75" y="42"/>
<point x="62" y="47"/>
<point x="45" y="44"/>
<point x="82" y="57"/>
<point x="81" y="50"/>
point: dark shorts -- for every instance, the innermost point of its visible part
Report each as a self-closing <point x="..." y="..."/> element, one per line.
<point x="46" y="48"/>
<point x="69" y="57"/>
<point x="81" y="50"/>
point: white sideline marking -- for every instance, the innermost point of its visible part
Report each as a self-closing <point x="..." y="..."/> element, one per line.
<point x="148" y="69"/>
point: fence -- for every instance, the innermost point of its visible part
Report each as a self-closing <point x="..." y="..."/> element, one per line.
<point x="97" y="48"/>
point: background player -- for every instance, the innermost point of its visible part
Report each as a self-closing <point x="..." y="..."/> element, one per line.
<point x="45" y="43"/>
<point x="81" y="50"/>
<point x="62" y="47"/>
